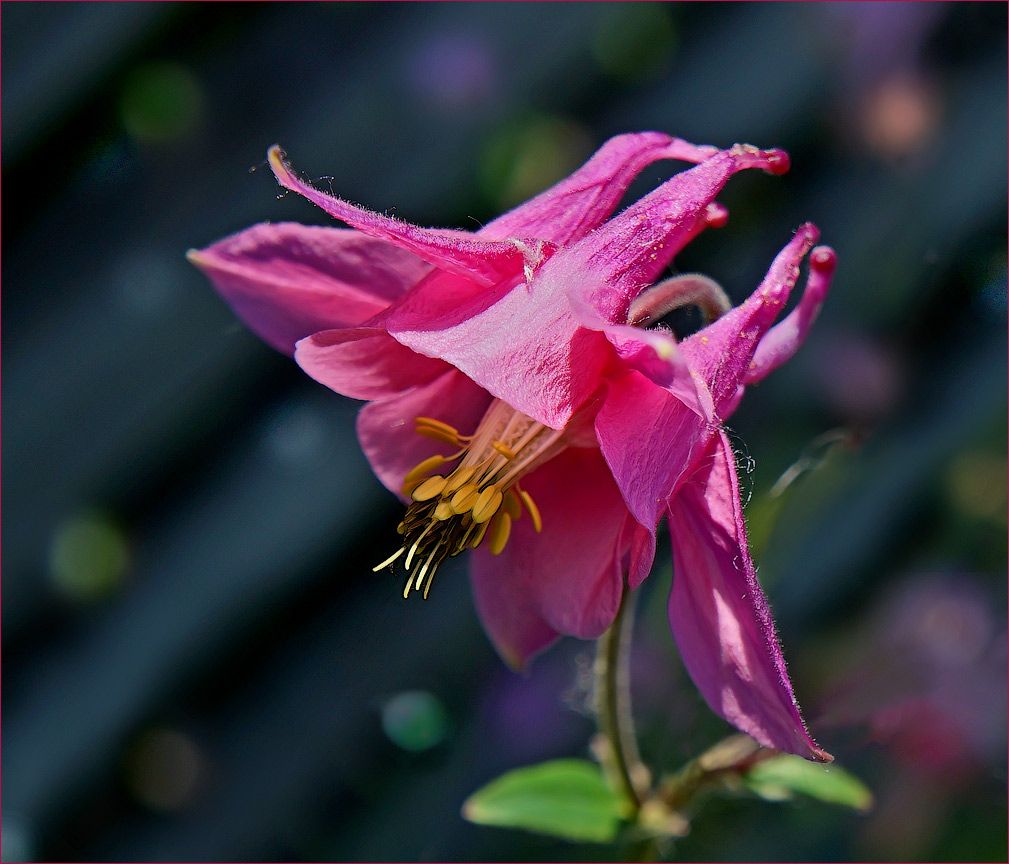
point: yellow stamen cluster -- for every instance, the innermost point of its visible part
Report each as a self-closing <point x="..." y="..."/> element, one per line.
<point x="478" y="498"/>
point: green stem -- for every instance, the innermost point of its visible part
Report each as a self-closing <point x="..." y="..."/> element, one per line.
<point x="613" y="705"/>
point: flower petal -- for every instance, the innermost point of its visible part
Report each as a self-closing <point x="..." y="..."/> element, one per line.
<point x="530" y="335"/>
<point x="364" y="363"/>
<point x="286" y="281"/>
<point x="386" y="428"/>
<point x="485" y="261"/>
<point x="721" y="353"/>
<point x="650" y="439"/>
<point x="609" y="267"/>
<point x="579" y="203"/>
<point x="719" y="616"/>
<point x="785" y="337"/>
<point x="569" y="576"/>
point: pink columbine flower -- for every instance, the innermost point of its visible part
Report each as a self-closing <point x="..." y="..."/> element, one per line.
<point x="520" y="408"/>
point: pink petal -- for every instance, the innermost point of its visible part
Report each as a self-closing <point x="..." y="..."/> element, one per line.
<point x="582" y="201"/>
<point x="364" y="363"/>
<point x="485" y="261"/>
<point x="386" y="428"/>
<point x="610" y="266"/>
<point x="649" y="439"/>
<point x="530" y="335"/>
<point x="721" y="353"/>
<point x="286" y="281"/>
<point x="719" y="616"/>
<point x="569" y="576"/>
<point x="784" y="338"/>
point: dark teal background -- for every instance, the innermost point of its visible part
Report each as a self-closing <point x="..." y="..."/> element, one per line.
<point x="196" y="654"/>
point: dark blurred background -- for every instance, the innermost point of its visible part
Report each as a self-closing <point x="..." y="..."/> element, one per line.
<point x="199" y="662"/>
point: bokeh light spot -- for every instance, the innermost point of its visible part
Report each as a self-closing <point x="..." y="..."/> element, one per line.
<point x="160" y="102"/>
<point x="163" y="769"/>
<point x="415" y="720"/>
<point x="634" y="41"/>
<point x="977" y="484"/>
<point x="530" y="155"/>
<point x="88" y="557"/>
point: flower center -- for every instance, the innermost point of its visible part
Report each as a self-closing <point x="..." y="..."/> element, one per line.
<point x="478" y="498"/>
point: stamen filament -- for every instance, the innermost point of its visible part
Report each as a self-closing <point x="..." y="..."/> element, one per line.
<point x="388" y="561"/>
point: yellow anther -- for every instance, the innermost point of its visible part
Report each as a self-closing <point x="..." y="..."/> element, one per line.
<point x="458" y="478"/>
<point x="420" y="470"/>
<point x="504" y="450"/>
<point x="443" y="511"/>
<point x="478" y="539"/>
<point x="487" y="504"/>
<point x="512" y="505"/>
<point x="429" y="488"/>
<point x="439" y="435"/>
<point x="534" y="511"/>
<point x="464" y="499"/>
<point x="499" y="532"/>
<point x="431" y="423"/>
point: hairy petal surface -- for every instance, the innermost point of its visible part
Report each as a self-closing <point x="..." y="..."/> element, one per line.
<point x="569" y="575"/>
<point x="528" y="348"/>
<point x="286" y="281"/>
<point x="718" y="613"/>
<point x="721" y="353"/>
<point x="611" y="266"/>
<point x="782" y="341"/>
<point x="386" y="428"/>
<point x="485" y="261"/>
<point x="579" y="203"/>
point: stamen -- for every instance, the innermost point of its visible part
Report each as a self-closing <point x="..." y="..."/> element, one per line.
<point x="464" y="499"/>
<point x="430" y="488"/>
<point x="504" y="450"/>
<point x="512" y="504"/>
<point x="416" y="543"/>
<point x="388" y="561"/>
<point x="499" y="533"/>
<point x="458" y="479"/>
<point x="420" y="470"/>
<point x="438" y="435"/>
<point x="443" y="511"/>
<point x="487" y="504"/>
<point x="424" y="569"/>
<point x="431" y="423"/>
<point x="479" y="535"/>
<point x="534" y="511"/>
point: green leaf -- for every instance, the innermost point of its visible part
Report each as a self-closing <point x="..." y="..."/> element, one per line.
<point x="564" y="798"/>
<point x="777" y="778"/>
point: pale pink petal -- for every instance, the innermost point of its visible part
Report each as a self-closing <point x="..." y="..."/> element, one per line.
<point x="386" y="428"/>
<point x="721" y="352"/>
<point x="486" y="261"/>
<point x="569" y="576"/>
<point x="784" y="338"/>
<point x="286" y="281"/>
<point x="649" y="439"/>
<point x="364" y="363"/>
<point x="580" y="202"/>
<point x="719" y="616"/>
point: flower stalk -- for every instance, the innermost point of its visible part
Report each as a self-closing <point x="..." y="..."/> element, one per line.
<point x="618" y="750"/>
